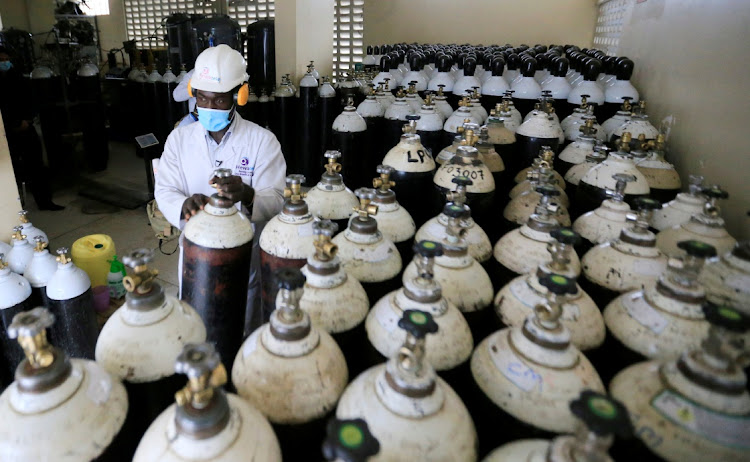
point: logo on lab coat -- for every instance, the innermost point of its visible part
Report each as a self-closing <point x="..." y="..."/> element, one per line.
<point x="244" y="168"/>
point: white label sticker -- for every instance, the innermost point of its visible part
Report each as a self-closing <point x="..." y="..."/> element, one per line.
<point x="251" y="344"/>
<point x="379" y="253"/>
<point x="305" y="230"/>
<point x="100" y="384"/>
<point x="570" y="312"/>
<point x="387" y="318"/>
<point x="648" y="267"/>
<point x="724" y="429"/>
<point x="644" y="313"/>
<point x="515" y="370"/>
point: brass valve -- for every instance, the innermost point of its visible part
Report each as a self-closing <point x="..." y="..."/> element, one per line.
<point x="470" y="139"/>
<point x="18" y="233"/>
<point x="40" y="244"/>
<point x="659" y="143"/>
<point x="3" y="264"/>
<point x="22" y="216"/>
<point x="465" y="101"/>
<point x="584" y="102"/>
<point x="332" y="167"/>
<point x="455" y="229"/>
<point x="588" y="128"/>
<point x="624" y="144"/>
<point x="475" y="93"/>
<point x="202" y="364"/>
<point x="547" y="155"/>
<point x="141" y="281"/>
<point x="428" y="99"/>
<point x="505" y="107"/>
<point x="410" y="128"/>
<point x="365" y="208"/>
<point x="622" y="180"/>
<point x="62" y="256"/>
<point x="498" y="108"/>
<point x="383" y="182"/>
<point x="324" y="230"/>
<point x="400" y="93"/>
<point x="412" y="88"/>
<point x="440" y="90"/>
<point x="350" y="102"/>
<point x="293" y="190"/>
<point x="626" y="106"/>
<point x="30" y="328"/>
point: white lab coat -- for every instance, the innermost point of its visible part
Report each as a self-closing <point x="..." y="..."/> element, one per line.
<point x="250" y="151"/>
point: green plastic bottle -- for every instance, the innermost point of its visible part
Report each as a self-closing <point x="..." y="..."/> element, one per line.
<point x="114" y="278"/>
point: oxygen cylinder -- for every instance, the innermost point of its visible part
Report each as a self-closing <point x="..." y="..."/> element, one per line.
<point x="71" y="303"/>
<point x="461" y="116"/>
<point x="29" y="229"/>
<point x="706" y="383"/>
<point x="430" y="127"/>
<point x="576" y="172"/>
<point x="637" y="125"/>
<point x="494" y="163"/>
<point x="682" y="208"/>
<point x="662" y="320"/>
<point x="592" y="189"/>
<point x="727" y="280"/>
<point x="350" y="138"/>
<point x="15" y="297"/>
<point x="365" y="252"/>
<point x="538" y="131"/>
<point x="394" y="221"/>
<point x="620" y="89"/>
<point x="272" y="371"/>
<point x="464" y="282"/>
<point x="580" y="315"/>
<point x="330" y="199"/>
<point x="39" y="271"/>
<point x="336" y="302"/>
<point x="206" y="423"/>
<point x="504" y="141"/>
<point x="526" y="195"/>
<point x="558" y="86"/>
<point x="285" y="241"/>
<point x="601" y="419"/>
<point x="308" y="160"/>
<point x="663" y="180"/>
<point x="374" y="114"/>
<point x="264" y="110"/>
<point x="613" y="123"/>
<point x="569" y="123"/>
<point x="526" y="89"/>
<point x="329" y="109"/>
<point x="442" y="82"/>
<point x="149" y="319"/>
<point x="284" y="121"/>
<point x="59" y="408"/>
<point x="441" y="103"/>
<point x="348" y="88"/>
<point x="551" y="371"/>
<point x="588" y="86"/>
<point x="396" y="115"/>
<point x="385" y="77"/>
<point x="413" y="168"/>
<point x="495" y="87"/>
<point x="630" y="262"/>
<point x="708" y="227"/>
<point x="21" y="251"/>
<point x="523" y="249"/>
<point x="605" y="223"/>
<point x="414" y="414"/>
<point x="216" y="249"/>
<point x="576" y="152"/>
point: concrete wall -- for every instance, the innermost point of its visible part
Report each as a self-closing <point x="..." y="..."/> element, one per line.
<point x="14" y="14"/>
<point x="9" y="203"/>
<point x="693" y="65"/>
<point x="480" y="21"/>
<point x="304" y="32"/>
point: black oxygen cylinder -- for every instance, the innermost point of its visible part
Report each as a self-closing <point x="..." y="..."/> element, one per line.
<point x="284" y="120"/>
<point x="329" y="110"/>
<point x="489" y="102"/>
<point x="350" y="138"/>
<point x="261" y="54"/>
<point x="167" y="115"/>
<point x="91" y="112"/>
<point x="309" y="161"/>
<point x="215" y="30"/>
<point x="71" y="301"/>
<point x="179" y="27"/>
<point x="264" y="110"/>
<point x="15" y="297"/>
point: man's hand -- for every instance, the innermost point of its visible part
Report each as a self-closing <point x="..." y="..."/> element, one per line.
<point x="234" y="189"/>
<point x="193" y="205"/>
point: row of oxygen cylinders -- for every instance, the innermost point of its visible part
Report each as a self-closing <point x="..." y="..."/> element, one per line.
<point x="360" y="247"/>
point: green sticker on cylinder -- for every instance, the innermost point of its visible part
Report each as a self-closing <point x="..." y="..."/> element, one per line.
<point x="560" y="280"/>
<point x="602" y="407"/>
<point x="729" y="313"/>
<point x="351" y="436"/>
<point x="418" y="318"/>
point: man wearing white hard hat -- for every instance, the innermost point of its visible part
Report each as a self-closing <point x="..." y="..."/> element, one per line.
<point x="222" y="139"/>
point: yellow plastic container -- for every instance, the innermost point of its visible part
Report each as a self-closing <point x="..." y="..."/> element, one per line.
<point x="90" y="253"/>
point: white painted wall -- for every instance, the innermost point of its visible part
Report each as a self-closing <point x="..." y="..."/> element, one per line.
<point x="9" y="203"/>
<point x="693" y="64"/>
<point x="480" y="21"/>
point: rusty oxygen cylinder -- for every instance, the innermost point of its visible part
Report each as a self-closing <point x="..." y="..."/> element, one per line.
<point x="216" y="249"/>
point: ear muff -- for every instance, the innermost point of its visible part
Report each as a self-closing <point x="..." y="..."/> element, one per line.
<point x="243" y="94"/>
<point x="190" y="88"/>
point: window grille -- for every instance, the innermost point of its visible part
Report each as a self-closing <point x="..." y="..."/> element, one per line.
<point x="348" y="35"/>
<point x="612" y="18"/>
<point x="143" y="17"/>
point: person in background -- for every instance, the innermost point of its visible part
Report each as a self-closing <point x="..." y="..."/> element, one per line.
<point x="222" y="139"/>
<point x="23" y="140"/>
<point x="180" y="94"/>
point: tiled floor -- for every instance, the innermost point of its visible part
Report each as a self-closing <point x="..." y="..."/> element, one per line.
<point x="129" y="229"/>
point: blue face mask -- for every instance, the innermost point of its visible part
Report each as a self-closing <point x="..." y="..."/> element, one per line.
<point x="214" y="120"/>
<point x="5" y="66"/>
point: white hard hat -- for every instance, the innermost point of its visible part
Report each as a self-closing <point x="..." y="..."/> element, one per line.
<point x="219" y="69"/>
